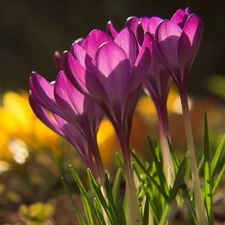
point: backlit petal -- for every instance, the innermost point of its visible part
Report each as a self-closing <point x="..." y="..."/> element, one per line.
<point x="80" y="54"/>
<point x="81" y="78"/>
<point x="166" y="39"/>
<point x="180" y="17"/>
<point x="44" y="116"/>
<point x="43" y="92"/>
<point x="189" y="42"/>
<point x="153" y="24"/>
<point x="132" y="23"/>
<point x="127" y="41"/>
<point x="94" y="39"/>
<point x="69" y="99"/>
<point x="142" y="63"/>
<point x="113" y="71"/>
<point x="111" y="30"/>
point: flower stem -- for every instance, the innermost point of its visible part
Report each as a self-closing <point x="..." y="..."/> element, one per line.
<point x="98" y="160"/>
<point x="133" y="216"/>
<point x="200" y="208"/>
<point x="164" y="136"/>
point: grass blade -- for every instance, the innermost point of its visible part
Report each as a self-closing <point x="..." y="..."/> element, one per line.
<point x="159" y="167"/>
<point x="218" y="180"/>
<point x="207" y="173"/>
<point x="163" y="193"/>
<point x="217" y="157"/>
<point x="78" y="213"/>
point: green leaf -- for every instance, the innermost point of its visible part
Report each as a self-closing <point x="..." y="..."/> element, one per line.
<point x="159" y="167"/>
<point x="162" y="192"/>
<point x="207" y="174"/>
<point x="178" y="180"/>
<point x="217" y="157"/>
<point x="218" y="180"/>
<point x="87" y="201"/>
<point x="174" y="191"/>
<point x="78" y="213"/>
<point x="116" y="186"/>
<point x="87" y="210"/>
<point x="146" y="213"/>
<point x="106" y="207"/>
<point x="112" y="208"/>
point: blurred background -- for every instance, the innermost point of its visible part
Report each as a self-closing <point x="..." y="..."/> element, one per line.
<point x="31" y="31"/>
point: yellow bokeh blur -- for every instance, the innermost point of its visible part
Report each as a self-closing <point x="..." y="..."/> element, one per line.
<point x="18" y="122"/>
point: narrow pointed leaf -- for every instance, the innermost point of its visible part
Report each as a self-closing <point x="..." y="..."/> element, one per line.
<point x="207" y="174"/>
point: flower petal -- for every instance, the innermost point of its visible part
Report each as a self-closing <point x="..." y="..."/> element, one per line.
<point x="166" y="39"/>
<point x="144" y="22"/>
<point x="180" y="17"/>
<point x="111" y="30"/>
<point x="94" y="39"/>
<point x="69" y="99"/>
<point x="132" y="23"/>
<point x="142" y="63"/>
<point x="157" y="82"/>
<point x="44" y="116"/>
<point x="127" y="41"/>
<point x="82" y="79"/>
<point x="80" y="55"/>
<point x="113" y="71"/>
<point x="190" y="41"/>
<point x="58" y="61"/>
<point x="73" y="135"/>
<point x="43" y="92"/>
<point x="153" y="24"/>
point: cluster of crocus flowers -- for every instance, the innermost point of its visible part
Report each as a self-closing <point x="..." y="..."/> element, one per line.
<point x="105" y="74"/>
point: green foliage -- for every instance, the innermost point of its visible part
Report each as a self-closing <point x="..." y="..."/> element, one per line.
<point x="37" y="213"/>
<point x="158" y="202"/>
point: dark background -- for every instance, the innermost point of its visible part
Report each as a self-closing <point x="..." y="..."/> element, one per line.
<point x="31" y="31"/>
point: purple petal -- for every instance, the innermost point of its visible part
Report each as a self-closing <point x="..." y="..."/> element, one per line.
<point x="80" y="41"/>
<point x="80" y="55"/>
<point x="111" y="30"/>
<point x="166" y="39"/>
<point x="58" y="61"/>
<point x="131" y="103"/>
<point x="127" y="41"/>
<point x="44" y="116"/>
<point x="142" y="63"/>
<point x="73" y="135"/>
<point x="132" y="23"/>
<point x="190" y="41"/>
<point x="113" y="71"/>
<point x="153" y="24"/>
<point x="94" y="39"/>
<point x="157" y="82"/>
<point x="137" y="25"/>
<point x="43" y="92"/>
<point x="180" y="17"/>
<point x="82" y="79"/>
<point x="144" y="22"/>
<point x="69" y="99"/>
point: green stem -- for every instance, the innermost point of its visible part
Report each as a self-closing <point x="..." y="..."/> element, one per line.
<point x="164" y="136"/>
<point x="200" y="208"/>
<point x="98" y="160"/>
<point x="133" y="216"/>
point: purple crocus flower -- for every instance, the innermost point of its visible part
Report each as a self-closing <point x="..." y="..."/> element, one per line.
<point x="73" y="116"/>
<point x="156" y="84"/>
<point x="110" y="71"/>
<point x="177" y="42"/>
